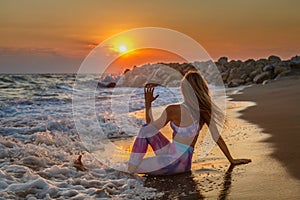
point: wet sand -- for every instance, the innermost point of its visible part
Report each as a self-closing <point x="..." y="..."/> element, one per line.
<point x="278" y="113"/>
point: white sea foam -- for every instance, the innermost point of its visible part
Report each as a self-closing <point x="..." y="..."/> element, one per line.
<point x="39" y="143"/>
<point x="44" y="169"/>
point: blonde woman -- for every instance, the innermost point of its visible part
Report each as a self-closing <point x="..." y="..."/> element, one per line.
<point x="186" y="120"/>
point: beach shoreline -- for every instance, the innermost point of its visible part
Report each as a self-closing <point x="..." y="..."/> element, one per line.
<point x="277" y="113"/>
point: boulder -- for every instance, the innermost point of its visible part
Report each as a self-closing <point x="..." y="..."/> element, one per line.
<point x="236" y="82"/>
<point x="249" y="62"/>
<point x="283" y="74"/>
<point x="261" y="77"/>
<point x="232" y="64"/>
<point x="295" y="62"/>
<point x="254" y="73"/>
<point x="154" y="73"/>
<point x="111" y="85"/>
<point x="260" y="65"/>
<point x="280" y="69"/>
<point x="223" y="60"/>
<point x="274" y="59"/>
<point x="266" y="82"/>
<point x="235" y="73"/>
<point x="244" y="76"/>
<point x="106" y="84"/>
<point x="268" y="67"/>
<point x="225" y="76"/>
<point x="262" y="60"/>
<point x="248" y="80"/>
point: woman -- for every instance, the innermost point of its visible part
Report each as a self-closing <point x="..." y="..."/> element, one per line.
<point x="186" y="120"/>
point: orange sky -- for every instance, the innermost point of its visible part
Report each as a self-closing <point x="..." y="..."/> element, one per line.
<point x="55" y="36"/>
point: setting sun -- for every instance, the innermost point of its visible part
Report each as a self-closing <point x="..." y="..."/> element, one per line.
<point x="122" y="48"/>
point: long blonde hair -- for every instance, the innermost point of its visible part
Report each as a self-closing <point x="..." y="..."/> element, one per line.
<point x="197" y="96"/>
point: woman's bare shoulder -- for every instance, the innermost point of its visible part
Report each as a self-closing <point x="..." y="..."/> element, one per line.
<point x="173" y="108"/>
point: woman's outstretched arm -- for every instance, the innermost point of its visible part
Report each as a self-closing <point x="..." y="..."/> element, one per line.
<point x="221" y="143"/>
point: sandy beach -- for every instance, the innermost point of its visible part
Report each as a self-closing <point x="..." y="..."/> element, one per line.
<point x="261" y="125"/>
<point x="277" y="113"/>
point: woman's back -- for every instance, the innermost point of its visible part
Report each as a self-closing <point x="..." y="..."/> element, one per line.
<point x="185" y="128"/>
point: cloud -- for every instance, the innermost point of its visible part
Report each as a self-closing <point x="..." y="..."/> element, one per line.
<point x="36" y="60"/>
<point x="9" y="51"/>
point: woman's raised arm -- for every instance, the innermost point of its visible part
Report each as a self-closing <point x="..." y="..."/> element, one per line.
<point x="149" y="98"/>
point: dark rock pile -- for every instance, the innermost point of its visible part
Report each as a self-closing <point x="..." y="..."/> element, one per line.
<point x="235" y="73"/>
<point x="232" y="73"/>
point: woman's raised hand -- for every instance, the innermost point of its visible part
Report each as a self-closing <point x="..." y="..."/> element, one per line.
<point x="148" y="92"/>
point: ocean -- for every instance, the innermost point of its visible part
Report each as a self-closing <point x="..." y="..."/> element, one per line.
<point x="39" y="140"/>
<point x="47" y="120"/>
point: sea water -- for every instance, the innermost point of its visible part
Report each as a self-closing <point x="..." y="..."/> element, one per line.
<point x="39" y="140"/>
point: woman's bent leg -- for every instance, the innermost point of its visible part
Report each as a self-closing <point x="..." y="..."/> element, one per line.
<point x="167" y="164"/>
<point x="148" y="135"/>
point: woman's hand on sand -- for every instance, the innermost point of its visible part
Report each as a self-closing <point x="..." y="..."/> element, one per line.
<point x="148" y="92"/>
<point x="240" y="161"/>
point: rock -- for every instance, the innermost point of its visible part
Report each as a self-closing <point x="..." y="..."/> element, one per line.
<point x="106" y="85"/>
<point x="235" y="73"/>
<point x="111" y="85"/>
<point x="274" y="59"/>
<point x="225" y="76"/>
<point x="280" y="69"/>
<point x="162" y="74"/>
<point x="250" y="62"/>
<point x="261" y="77"/>
<point x="127" y="70"/>
<point x="244" y="76"/>
<point x="266" y="81"/>
<point x="223" y="60"/>
<point x="233" y="64"/>
<point x="254" y="73"/>
<point x="236" y="82"/>
<point x="262" y="60"/>
<point x="221" y="68"/>
<point x="260" y="65"/>
<point x="295" y="62"/>
<point x="248" y="80"/>
<point x="268" y="67"/>
<point x="283" y="74"/>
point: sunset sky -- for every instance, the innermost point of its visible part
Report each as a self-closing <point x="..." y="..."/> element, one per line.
<point x="56" y="35"/>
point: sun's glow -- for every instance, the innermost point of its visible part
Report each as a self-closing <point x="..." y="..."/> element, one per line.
<point x="122" y="48"/>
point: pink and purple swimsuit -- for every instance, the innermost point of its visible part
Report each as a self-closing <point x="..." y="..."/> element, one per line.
<point x="170" y="157"/>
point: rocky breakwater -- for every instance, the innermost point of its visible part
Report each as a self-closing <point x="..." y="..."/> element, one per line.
<point x="168" y="74"/>
<point x="160" y="74"/>
<point x="232" y="73"/>
<point x="236" y="73"/>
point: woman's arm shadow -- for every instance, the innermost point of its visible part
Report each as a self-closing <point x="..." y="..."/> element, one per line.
<point x="226" y="183"/>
